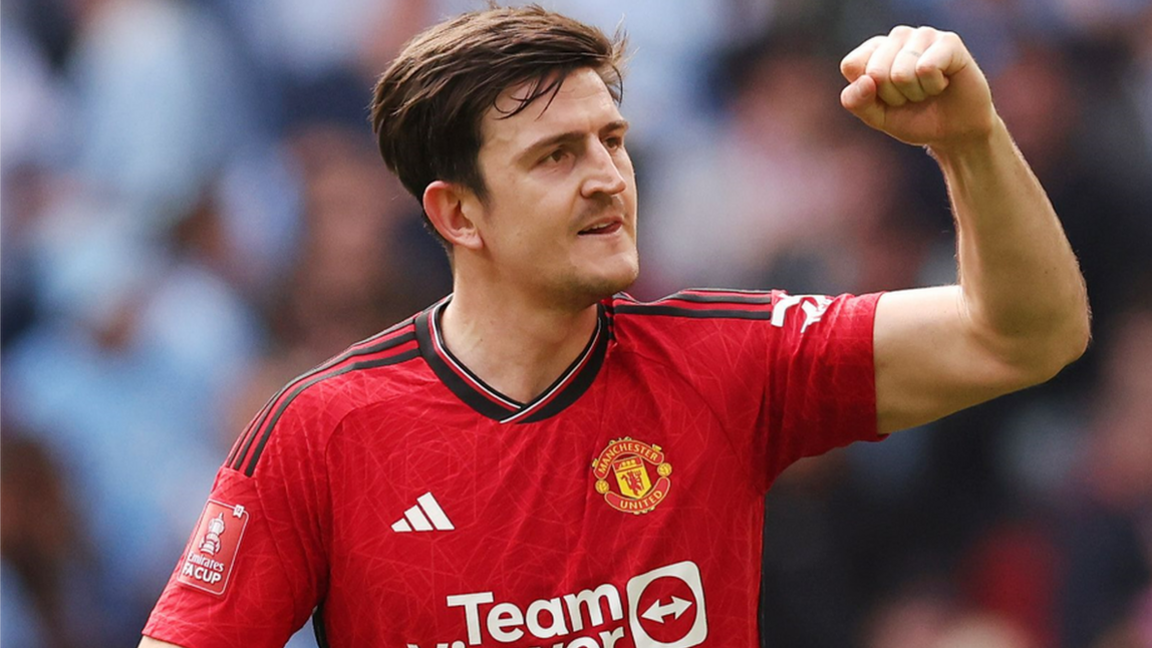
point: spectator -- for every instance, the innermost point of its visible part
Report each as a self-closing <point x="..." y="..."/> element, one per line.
<point x="49" y="571"/>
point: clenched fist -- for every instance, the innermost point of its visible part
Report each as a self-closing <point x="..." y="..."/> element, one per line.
<point x="919" y="85"/>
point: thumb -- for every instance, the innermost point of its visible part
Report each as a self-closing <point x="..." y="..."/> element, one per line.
<point x="860" y="99"/>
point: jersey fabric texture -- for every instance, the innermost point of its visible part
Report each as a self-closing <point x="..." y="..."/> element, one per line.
<point x="408" y="504"/>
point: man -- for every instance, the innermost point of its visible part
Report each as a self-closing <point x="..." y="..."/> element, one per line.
<point x="536" y="462"/>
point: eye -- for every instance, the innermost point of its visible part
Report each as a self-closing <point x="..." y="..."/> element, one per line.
<point x="614" y="142"/>
<point x="555" y="157"/>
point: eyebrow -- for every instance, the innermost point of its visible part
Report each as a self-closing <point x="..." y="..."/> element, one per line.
<point x="570" y="136"/>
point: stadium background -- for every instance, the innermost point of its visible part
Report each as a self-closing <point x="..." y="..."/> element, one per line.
<point x="194" y="213"/>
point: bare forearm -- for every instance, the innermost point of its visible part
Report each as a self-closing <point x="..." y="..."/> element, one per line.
<point x="1020" y="283"/>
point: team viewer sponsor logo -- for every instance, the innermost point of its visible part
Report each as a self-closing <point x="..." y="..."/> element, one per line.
<point x="623" y="476"/>
<point x="664" y="609"/>
<point x="212" y="552"/>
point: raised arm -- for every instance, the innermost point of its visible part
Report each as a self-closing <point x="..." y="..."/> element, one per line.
<point x="1020" y="312"/>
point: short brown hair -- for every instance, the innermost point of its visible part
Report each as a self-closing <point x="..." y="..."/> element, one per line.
<point x="427" y="107"/>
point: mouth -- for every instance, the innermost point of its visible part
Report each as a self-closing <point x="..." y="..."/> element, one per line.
<point x="602" y="228"/>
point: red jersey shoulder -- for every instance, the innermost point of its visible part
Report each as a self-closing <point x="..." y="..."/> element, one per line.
<point x="713" y="326"/>
<point x="316" y="401"/>
<point x="777" y="307"/>
<point x="701" y="303"/>
<point x="700" y="331"/>
<point x="696" y="318"/>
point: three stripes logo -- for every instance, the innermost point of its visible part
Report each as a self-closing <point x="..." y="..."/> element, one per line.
<point x="425" y="516"/>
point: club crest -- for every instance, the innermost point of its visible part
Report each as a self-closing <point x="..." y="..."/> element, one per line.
<point x="633" y="477"/>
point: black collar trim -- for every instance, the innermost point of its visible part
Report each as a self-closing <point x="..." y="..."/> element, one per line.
<point x="480" y="396"/>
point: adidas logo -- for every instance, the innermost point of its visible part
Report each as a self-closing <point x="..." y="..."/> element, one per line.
<point x="425" y="516"/>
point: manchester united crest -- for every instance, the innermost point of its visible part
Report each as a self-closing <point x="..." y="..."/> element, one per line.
<point x="624" y="475"/>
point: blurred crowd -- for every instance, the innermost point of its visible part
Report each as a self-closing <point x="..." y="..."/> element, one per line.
<point x="193" y="213"/>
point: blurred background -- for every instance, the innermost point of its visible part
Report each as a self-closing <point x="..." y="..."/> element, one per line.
<point x="193" y="213"/>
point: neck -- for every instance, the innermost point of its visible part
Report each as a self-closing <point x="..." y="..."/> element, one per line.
<point x="515" y="345"/>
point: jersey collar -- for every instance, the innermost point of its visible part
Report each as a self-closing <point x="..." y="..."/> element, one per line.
<point x="478" y="395"/>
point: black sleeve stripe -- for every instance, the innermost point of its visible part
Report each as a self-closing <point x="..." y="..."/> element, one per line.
<point x="365" y="346"/>
<point x="714" y="298"/>
<point x="729" y="291"/>
<point x="739" y="299"/>
<point x="244" y="435"/>
<point x="236" y="458"/>
<point x="356" y="366"/>
<point x="244" y="440"/>
<point x="254" y="430"/>
<point x="703" y="303"/>
<point x="354" y="352"/>
<point x="697" y="313"/>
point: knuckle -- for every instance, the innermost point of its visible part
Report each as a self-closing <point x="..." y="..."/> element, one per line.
<point x="866" y="46"/>
<point x="870" y="45"/>
<point x="900" y="30"/>
<point x="903" y="76"/>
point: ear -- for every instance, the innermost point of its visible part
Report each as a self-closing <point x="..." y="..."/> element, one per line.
<point x="446" y="205"/>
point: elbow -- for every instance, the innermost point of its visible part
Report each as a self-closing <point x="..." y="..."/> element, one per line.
<point x="1057" y="357"/>
<point x="1043" y="355"/>
<point x="1076" y="333"/>
<point x="1032" y="347"/>
<point x="1079" y="339"/>
<point x="1072" y="339"/>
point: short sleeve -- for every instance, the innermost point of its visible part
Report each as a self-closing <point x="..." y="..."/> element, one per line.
<point x="786" y="376"/>
<point x="820" y="392"/>
<point x="254" y="568"/>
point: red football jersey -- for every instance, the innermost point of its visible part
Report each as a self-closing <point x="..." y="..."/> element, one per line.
<point x="412" y="505"/>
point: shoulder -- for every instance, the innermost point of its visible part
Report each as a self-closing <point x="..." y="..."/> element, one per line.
<point x="707" y="319"/>
<point x="777" y="307"/>
<point x="310" y="407"/>
<point x="700" y="303"/>
<point x="697" y="326"/>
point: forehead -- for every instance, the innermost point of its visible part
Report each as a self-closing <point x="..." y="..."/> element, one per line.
<point x="583" y="104"/>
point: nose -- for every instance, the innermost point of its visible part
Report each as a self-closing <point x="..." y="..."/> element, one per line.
<point x="604" y="176"/>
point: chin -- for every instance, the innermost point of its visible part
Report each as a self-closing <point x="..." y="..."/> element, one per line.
<point x="610" y="283"/>
<point x="586" y="289"/>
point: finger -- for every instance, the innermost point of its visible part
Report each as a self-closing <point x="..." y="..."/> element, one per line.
<point x="945" y="57"/>
<point x="860" y="99"/>
<point x="903" y="75"/>
<point x="904" y="65"/>
<point x="879" y="66"/>
<point x="852" y="66"/>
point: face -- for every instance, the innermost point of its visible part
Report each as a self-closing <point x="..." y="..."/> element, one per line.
<point x="560" y="220"/>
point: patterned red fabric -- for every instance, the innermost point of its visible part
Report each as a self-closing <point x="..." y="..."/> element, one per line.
<point x="631" y="517"/>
